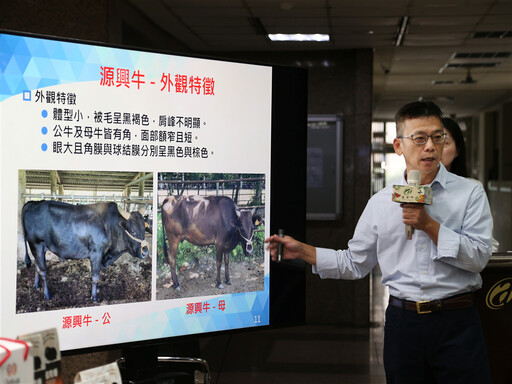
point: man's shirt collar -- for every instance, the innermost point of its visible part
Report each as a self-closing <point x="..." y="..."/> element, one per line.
<point x="441" y="177"/>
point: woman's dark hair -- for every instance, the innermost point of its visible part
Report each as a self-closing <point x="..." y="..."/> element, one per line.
<point x="459" y="163"/>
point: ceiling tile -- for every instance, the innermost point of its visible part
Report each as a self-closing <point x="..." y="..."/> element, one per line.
<point x="445" y="20"/>
<point x="437" y="29"/>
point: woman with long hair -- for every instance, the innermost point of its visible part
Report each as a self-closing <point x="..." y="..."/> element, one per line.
<point x="454" y="155"/>
<point x="454" y="152"/>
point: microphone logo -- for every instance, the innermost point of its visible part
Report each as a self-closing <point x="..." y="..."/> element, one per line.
<point x="413" y="192"/>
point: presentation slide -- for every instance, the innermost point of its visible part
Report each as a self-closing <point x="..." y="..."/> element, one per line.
<point x="133" y="196"/>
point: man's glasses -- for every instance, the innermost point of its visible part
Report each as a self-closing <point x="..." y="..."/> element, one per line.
<point x="420" y="139"/>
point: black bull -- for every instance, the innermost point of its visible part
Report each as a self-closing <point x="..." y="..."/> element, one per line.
<point x="210" y="220"/>
<point x="101" y="232"/>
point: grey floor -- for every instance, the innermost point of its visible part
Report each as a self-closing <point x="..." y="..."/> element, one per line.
<point x="303" y="354"/>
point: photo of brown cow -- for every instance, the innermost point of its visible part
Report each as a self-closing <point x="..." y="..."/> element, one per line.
<point x="210" y="234"/>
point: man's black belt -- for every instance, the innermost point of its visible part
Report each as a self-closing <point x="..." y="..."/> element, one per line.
<point x="423" y="307"/>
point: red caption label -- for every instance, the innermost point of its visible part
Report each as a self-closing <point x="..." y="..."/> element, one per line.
<point x="79" y="321"/>
<point x="204" y="307"/>
<point x="177" y="83"/>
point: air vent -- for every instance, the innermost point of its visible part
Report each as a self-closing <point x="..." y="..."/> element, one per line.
<point x="472" y="65"/>
<point x="443" y="82"/>
<point x="492" y="35"/>
<point x="482" y="55"/>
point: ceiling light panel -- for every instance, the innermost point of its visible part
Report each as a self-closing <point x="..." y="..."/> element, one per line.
<point x="316" y="37"/>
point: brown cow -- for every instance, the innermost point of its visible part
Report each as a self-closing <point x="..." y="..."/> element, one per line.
<point x="209" y="220"/>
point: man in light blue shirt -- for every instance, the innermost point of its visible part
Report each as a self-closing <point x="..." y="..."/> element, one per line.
<point x="432" y="333"/>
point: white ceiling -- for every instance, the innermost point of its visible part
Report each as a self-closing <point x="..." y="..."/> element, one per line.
<point x="437" y="30"/>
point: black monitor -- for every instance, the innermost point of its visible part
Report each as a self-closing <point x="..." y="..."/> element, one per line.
<point x="148" y="167"/>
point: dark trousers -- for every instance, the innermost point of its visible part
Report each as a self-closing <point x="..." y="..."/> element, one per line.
<point x="445" y="347"/>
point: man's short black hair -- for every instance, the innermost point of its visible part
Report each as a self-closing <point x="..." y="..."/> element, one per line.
<point x="415" y="110"/>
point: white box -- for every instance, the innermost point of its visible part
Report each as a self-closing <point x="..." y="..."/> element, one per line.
<point x="16" y="363"/>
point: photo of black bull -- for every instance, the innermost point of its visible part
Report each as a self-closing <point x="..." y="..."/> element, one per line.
<point x="207" y="220"/>
<point x="101" y="232"/>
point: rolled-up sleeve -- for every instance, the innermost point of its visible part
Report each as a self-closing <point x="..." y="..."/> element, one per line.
<point x="326" y="265"/>
<point x="339" y="264"/>
<point x="356" y="261"/>
<point x="471" y="248"/>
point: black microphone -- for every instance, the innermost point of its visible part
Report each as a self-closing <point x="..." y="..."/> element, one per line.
<point x="280" y="233"/>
